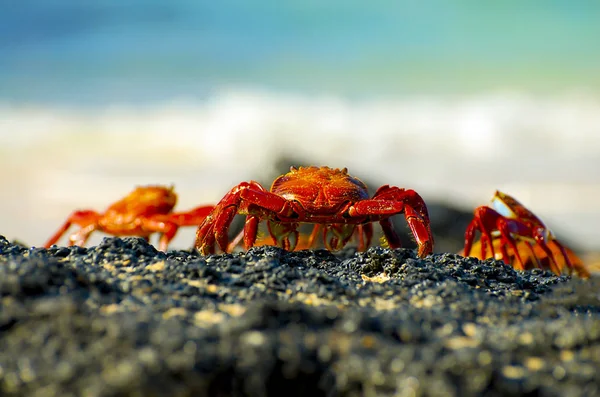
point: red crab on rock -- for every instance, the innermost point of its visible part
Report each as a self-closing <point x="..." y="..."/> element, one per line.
<point x="143" y="212"/>
<point x="517" y="236"/>
<point x="333" y="200"/>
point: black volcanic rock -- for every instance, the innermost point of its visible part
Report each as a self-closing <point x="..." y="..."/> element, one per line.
<point x="123" y="319"/>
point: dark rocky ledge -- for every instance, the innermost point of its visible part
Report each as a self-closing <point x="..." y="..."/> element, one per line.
<point x="123" y="319"/>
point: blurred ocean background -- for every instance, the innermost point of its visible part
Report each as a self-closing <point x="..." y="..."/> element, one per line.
<point x="451" y="98"/>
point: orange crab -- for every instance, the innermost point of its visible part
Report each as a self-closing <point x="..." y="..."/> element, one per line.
<point x="519" y="238"/>
<point x="336" y="202"/>
<point x="144" y="211"/>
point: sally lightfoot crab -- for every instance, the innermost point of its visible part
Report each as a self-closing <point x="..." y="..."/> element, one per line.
<point x="143" y="212"/>
<point x="534" y="257"/>
<point x="518" y="237"/>
<point x="336" y="202"/>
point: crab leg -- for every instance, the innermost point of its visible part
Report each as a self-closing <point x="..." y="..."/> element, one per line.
<point x="205" y="237"/>
<point x="250" y="230"/>
<point x="81" y="236"/>
<point x="284" y="234"/>
<point x="365" y="235"/>
<point x="208" y="233"/>
<point x="415" y="213"/>
<point x="248" y="234"/>
<point x="192" y="217"/>
<point x="483" y="216"/>
<point x="240" y="200"/>
<point x="390" y="234"/>
<point x="264" y="199"/>
<point x="572" y="264"/>
<point x="409" y="197"/>
<point x="59" y="233"/>
<point x="390" y="200"/>
<point x="534" y="257"/>
<point x="167" y="230"/>
<point x="505" y="231"/>
<point x="222" y="223"/>
<point x="417" y="224"/>
<point x="236" y="240"/>
<point x="83" y="218"/>
<point x="553" y="264"/>
<point x="488" y="219"/>
<point x="165" y="224"/>
<point x="337" y="235"/>
<point x="313" y="235"/>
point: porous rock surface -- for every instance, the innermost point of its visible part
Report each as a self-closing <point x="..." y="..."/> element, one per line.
<point x="123" y="319"/>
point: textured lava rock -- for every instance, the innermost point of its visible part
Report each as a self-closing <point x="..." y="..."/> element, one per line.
<point x="123" y="319"/>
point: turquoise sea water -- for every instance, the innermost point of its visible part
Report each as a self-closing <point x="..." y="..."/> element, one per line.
<point x="71" y="51"/>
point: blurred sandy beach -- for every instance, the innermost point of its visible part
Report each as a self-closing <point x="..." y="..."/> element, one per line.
<point x="544" y="151"/>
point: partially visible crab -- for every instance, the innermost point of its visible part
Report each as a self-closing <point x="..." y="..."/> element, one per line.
<point x="143" y="212"/>
<point x="534" y="257"/>
<point x="518" y="237"/>
<point x="336" y="202"/>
